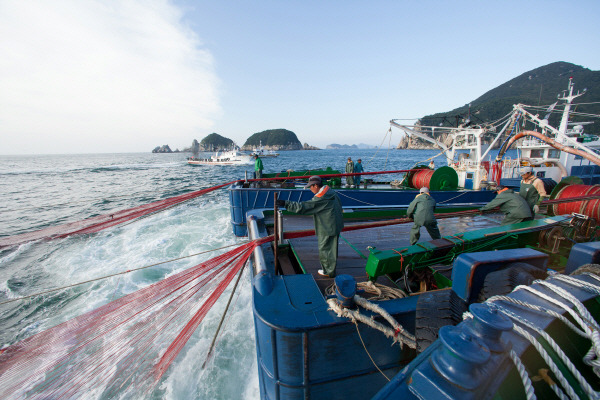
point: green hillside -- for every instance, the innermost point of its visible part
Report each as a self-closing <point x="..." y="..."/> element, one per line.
<point x="536" y="87"/>
<point x="274" y="138"/>
<point x="214" y="142"/>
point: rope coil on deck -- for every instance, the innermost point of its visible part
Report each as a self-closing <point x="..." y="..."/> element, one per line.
<point x="397" y="333"/>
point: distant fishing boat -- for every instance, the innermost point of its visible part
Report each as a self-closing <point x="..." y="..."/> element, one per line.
<point x="261" y="152"/>
<point x="230" y="157"/>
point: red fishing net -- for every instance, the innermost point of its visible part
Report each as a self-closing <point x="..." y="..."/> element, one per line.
<point x="126" y="344"/>
<point x="96" y="224"/>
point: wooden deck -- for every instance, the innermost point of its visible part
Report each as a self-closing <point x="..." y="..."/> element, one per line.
<point x="353" y="253"/>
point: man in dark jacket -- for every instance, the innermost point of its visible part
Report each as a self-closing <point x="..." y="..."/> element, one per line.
<point x="421" y="211"/>
<point x="511" y="204"/>
<point x="326" y="209"/>
<point x="349" y="170"/>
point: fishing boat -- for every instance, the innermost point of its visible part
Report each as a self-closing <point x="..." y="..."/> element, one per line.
<point x="471" y="173"/>
<point x="230" y="157"/>
<point x="261" y="152"/>
<point x="311" y="340"/>
<point x="347" y="337"/>
<point x="370" y="332"/>
<point x="554" y="153"/>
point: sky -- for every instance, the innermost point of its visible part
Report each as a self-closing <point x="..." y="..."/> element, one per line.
<point x="83" y="76"/>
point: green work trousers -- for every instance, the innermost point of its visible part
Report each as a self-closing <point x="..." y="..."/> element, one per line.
<point x="328" y="253"/>
<point x="432" y="229"/>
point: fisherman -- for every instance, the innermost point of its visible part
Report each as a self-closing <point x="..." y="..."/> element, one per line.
<point x="258" y="167"/>
<point x="421" y="211"/>
<point x="326" y="209"/>
<point x="358" y="167"/>
<point x="432" y="165"/>
<point x="511" y="204"/>
<point x="349" y="170"/>
<point x="532" y="189"/>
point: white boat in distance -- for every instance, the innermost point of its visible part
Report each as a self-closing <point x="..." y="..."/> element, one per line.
<point x="231" y="157"/>
<point x="260" y="150"/>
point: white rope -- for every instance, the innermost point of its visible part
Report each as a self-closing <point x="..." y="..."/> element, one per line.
<point x="578" y="304"/>
<point x="588" y="287"/>
<point x="398" y="329"/>
<point x="558" y="351"/>
<point x="527" y="385"/>
<point x="551" y="364"/>
<point x="576" y="316"/>
<point x="397" y="334"/>
<point x="352" y="198"/>
<point x="529" y="392"/>
<point x="541" y="310"/>
<point x="355" y="315"/>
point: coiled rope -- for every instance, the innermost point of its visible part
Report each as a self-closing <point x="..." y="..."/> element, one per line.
<point x="590" y="330"/>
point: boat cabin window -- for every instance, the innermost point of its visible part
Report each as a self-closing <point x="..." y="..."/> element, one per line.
<point x="553" y="153"/>
<point x="537" y="153"/>
<point x="469" y="175"/>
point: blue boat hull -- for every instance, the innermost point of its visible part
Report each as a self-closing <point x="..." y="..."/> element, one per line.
<point x="243" y="200"/>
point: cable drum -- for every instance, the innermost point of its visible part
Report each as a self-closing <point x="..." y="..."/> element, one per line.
<point x="591" y="208"/>
<point x="443" y="178"/>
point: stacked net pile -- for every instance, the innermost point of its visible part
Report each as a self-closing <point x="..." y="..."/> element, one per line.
<point x="100" y="222"/>
<point x="127" y="344"/>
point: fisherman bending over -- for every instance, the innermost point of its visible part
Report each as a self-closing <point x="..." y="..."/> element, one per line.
<point x="421" y="211"/>
<point x="511" y="204"/>
<point x="326" y="209"/>
<point x="532" y="189"/>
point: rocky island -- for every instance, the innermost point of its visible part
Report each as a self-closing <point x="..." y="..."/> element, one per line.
<point x="271" y="139"/>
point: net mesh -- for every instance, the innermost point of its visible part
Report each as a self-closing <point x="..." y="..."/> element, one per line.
<point x="100" y="222"/>
<point x="126" y="344"/>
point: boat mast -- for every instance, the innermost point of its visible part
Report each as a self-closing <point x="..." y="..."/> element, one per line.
<point x="562" y="129"/>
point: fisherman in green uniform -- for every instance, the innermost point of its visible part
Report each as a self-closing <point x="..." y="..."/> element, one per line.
<point x="358" y="167"/>
<point x="258" y="167"/>
<point x="421" y="211"/>
<point x="511" y="204"/>
<point x="326" y="209"/>
<point x="532" y="189"/>
<point x="349" y="170"/>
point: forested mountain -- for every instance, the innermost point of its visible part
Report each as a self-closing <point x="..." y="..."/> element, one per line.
<point x="536" y="87"/>
<point x="273" y="139"/>
<point x="214" y="142"/>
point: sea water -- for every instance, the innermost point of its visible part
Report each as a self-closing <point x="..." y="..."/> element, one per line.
<point x="47" y="190"/>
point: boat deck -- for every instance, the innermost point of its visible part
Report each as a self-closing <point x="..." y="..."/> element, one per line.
<point x="352" y="250"/>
